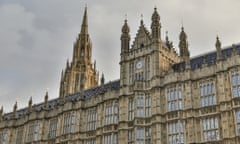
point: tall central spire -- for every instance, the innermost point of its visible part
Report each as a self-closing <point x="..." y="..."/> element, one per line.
<point x="83" y="47"/>
<point x="84" y="29"/>
<point x="81" y="73"/>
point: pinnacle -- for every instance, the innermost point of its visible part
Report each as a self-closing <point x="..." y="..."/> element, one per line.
<point x="84" y="29"/>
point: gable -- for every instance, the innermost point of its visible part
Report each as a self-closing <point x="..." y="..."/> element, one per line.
<point x="142" y="38"/>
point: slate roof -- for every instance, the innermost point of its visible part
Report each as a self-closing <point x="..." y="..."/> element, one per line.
<point x="208" y="58"/>
<point x="115" y="85"/>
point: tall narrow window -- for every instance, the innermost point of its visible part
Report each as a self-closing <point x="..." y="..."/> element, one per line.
<point x="33" y="131"/>
<point x="3" y="137"/>
<point x="235" y="84"/>
<point x="176" y="132"/>
<point x="147" y="135"/>
<point x="115" y="116"/>
<point x="131" y="73"/>
<point x="72" y="123"/>
<point x="210" y="129"/>
<point x="174" y="98"/>
<point x="90" y="141"/>
<point x="130" y="109"/>
<point x="130" y="137"/>
<point x="111" y="113"/>
<point x="237" y="115"/>
<point x="19" y="135"/>
<point x="140" y="106"/>
<point x="147" y="105"/>
<point x="68" y="123"/>
<point x="52" y="128"/>
<point x="92" y="119"/>
<point x="110" y="138"/>
<point x="207" y="93"/>
<point x="140" y="135"/>
<point x="147" y="68"/>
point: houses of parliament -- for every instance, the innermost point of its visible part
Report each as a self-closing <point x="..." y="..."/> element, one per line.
<point x="161" y="97"/>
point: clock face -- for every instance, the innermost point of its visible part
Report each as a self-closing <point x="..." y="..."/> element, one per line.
<point x="139" y="64"/>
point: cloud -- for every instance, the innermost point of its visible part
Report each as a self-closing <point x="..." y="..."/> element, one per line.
<point x="36" y="37"/>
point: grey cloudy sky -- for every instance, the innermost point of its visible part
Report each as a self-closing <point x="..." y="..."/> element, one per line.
<point x="36" y="37"/>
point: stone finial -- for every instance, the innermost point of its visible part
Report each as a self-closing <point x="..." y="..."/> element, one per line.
<point x="234" y="51"/>
<point x="219" y="49"/>
<point x="156" y="26"/>
<point x="102" y="79"/>
<point x="125" y="38"/>
<point x="218" y="43"/>
<point x="1" y="113"/>
<point x="125" y="28"/>
<point x="141" y="22"/>
<point x="1" y="110"/>
<point x="46" y="100"/>
<point x="15" y="110"/>
<point x="183" y="46"/>
<point x="30" y="104"/>
<point x="15" y="107"/>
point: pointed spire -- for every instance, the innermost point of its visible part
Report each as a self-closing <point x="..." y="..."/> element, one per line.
<point x="125" y="27"/>
<point x="183" y="35"/>
<point x="156" y="26"/>
<point x="84" y="29"/>
<point x="67" y="64"/>
<point x="219" y="49"/>
<point x="141" y="22"/>
<point x="125" y="37"/>
<point x="155" y="15"/>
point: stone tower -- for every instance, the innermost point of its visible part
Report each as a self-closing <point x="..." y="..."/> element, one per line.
<point x="81" y="73"/>
<point x="148" y="57"/>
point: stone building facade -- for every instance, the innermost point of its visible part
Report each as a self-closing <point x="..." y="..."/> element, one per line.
<point x="161" y="97"/>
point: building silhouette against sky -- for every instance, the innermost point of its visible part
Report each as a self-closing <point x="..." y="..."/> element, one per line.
<point x="162" y="97"/>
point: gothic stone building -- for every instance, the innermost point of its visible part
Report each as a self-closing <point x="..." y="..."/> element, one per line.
<point x="161" y="97"/>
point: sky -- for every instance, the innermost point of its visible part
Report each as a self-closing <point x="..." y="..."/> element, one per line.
<point x="37" y="36"/>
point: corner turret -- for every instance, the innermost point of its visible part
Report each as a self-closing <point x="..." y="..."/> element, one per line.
<point x="125" y="38"/>
<point x="183" y="46"/>
<point x="156" y="26"/>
